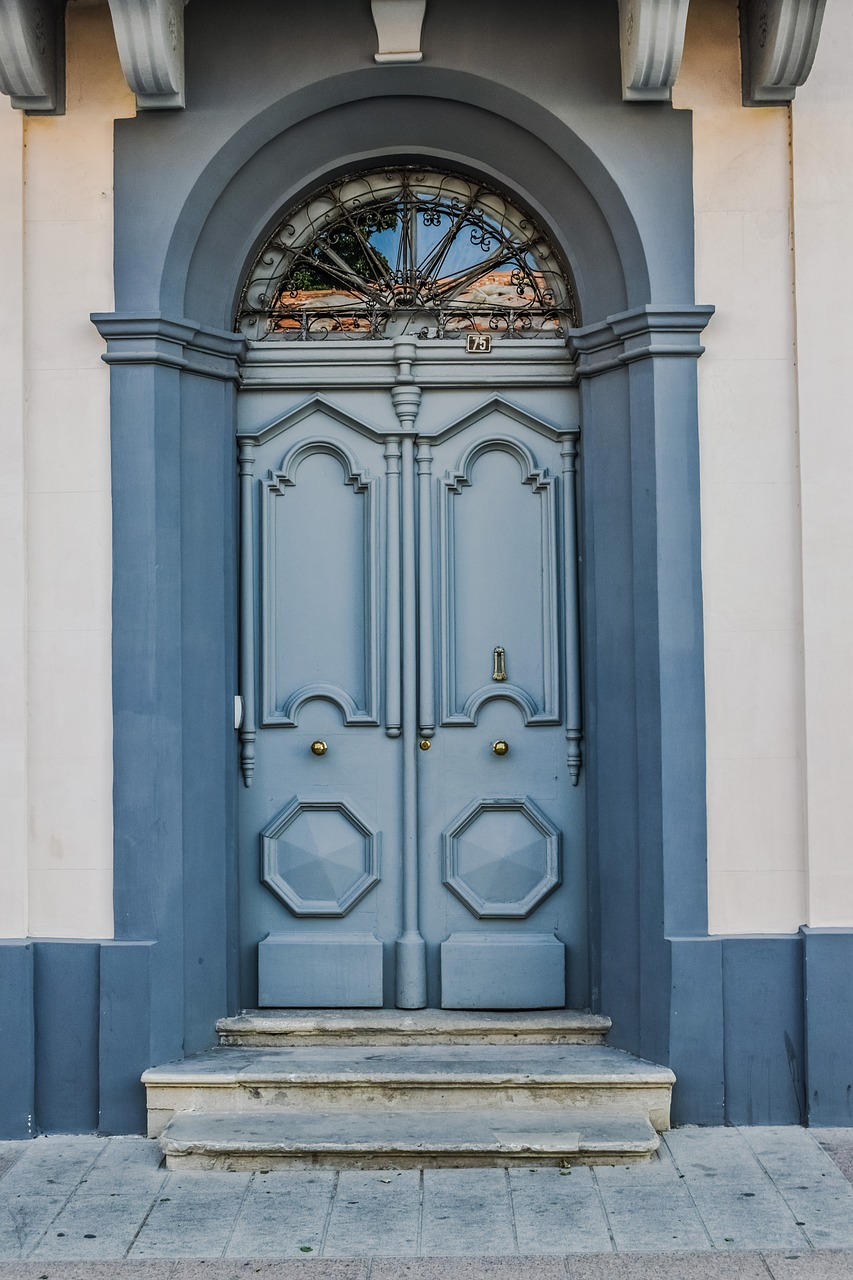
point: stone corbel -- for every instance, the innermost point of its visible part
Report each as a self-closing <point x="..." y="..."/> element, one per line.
<point x="398" y="27"/>
<point x="651" y="39"/>
<point x="150" y="39"/>
<point x="778" y="44"/>
<point x="32" y="55"/>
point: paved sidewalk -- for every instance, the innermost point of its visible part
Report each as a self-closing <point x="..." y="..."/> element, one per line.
<point x="715" y="1203"/>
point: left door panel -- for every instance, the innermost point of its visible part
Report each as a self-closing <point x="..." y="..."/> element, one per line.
<point x="320" y="898"/>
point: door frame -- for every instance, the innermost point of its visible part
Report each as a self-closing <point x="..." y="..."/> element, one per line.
<point x="282" y="383"/>
<point x="173" y="396"/>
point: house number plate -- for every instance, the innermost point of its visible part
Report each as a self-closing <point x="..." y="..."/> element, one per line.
<point x="478" y="343"/>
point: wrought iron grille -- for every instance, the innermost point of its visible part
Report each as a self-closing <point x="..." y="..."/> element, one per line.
<point x="406" y="250"/>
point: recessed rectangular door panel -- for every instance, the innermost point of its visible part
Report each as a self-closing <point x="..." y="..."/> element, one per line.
<point x="320" y="823"/>
<point x="502" y="860"/>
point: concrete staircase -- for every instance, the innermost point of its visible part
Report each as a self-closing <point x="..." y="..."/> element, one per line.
<point x="389" y="1089"/>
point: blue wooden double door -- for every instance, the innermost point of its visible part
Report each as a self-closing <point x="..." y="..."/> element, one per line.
<point x="411" y="819"/>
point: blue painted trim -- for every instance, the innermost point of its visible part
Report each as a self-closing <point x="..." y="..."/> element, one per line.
<point x="696" y="1037"/>
<point x="66" y="993"/>
<point x="763" y="1030"/>
<point x="828" y="980"/>
<point x="17" y="1036"/>
<point x="124" y="1035"/>
<point x="740" y="1042"/>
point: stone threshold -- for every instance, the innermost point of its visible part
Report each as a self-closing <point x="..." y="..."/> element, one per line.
<point x="267" y="1027"/>
<point x="410" y="1139"/>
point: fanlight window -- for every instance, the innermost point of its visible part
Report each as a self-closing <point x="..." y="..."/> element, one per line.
<point x="406" y="251"/>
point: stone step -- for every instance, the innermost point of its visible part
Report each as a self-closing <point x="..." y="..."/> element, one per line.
<point x="395" y="1140"/>
<point x="265" y="1028"/>
<point x="409" y="1077"/>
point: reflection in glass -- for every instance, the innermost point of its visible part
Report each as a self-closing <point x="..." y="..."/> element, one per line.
<point x="406" y="251"/>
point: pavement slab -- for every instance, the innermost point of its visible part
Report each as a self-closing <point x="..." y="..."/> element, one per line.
<point x="375" y="1212"/>
<point x="193" y="1217"/>
<point x="837" y="1143"/>
<point x="9" y="1153"/>
<point x="649" y="1208"/>
<point x="466" y="1211"/>
<point x="739" y="1203"/>
<point x="24" y="1220"/>
<point x="558" y="1211"/>
<point x="815" y="1190"/>
<point x="95" y="1227"/>
<point x="50" y="1165"/>
<point x="734" y="1195"/>
<point x="283" y="1214"/>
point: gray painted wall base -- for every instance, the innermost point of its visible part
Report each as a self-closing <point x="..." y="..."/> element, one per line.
<point x="828" y="979"/>
<point x="761" y="1032"/>
<point x="737" y="1030"/>
<point x="75" y="1027"/>
<point x="17" y="1035"/>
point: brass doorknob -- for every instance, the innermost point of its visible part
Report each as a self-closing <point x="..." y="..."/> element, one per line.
<point x="319" y="747"/>
<point x="500" y="747"/>
<point x="424" y="744"/>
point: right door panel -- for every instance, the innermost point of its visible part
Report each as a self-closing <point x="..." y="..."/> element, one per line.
<point x="502" y="849"/>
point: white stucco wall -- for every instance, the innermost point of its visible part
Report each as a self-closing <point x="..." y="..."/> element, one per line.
<point x="60" y="703"/>
<point x="774" y="208"/>
<point x="750" y="489"/>
<point x="13" y="578"/>
<point x="822" y="145"/>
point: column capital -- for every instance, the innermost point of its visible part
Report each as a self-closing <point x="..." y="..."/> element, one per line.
<point x="651" y="42"/>
<point x="639" y="335"/>
<point x="32" y="55"/>
<point x="778" y="45"/>
<point x="150" y="39"/>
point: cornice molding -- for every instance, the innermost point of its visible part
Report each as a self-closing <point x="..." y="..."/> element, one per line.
<point x="398" y="29"/>
<point x="778" y="44"/>
<point x="151" y="338"/>
<point x="150" y="39"/>
<point x="32" y="55"/>
<point x="651" y="41"/>
<point x="647" y="332"/>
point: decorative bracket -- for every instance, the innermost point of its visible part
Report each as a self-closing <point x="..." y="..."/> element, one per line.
<point x="651" y="39"/>
<point x="150" y="39"/>
<point x="398" y="27"/>
<point x="32" y="55"/>
<point x="778" y="45"/>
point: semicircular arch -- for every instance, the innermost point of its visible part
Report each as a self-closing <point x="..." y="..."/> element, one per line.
<point x="277" y="158"/>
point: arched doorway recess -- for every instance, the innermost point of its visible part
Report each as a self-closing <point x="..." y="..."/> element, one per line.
<point x="176" y="366"/>
<point x="410" y="666"/>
